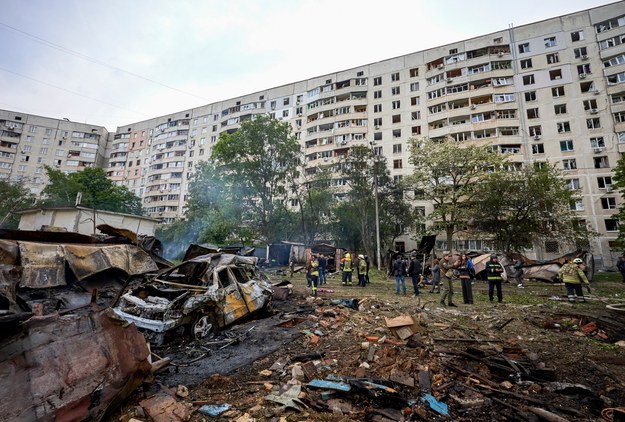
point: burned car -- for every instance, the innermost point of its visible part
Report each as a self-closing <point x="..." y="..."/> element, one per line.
<point x="202" y="295"/>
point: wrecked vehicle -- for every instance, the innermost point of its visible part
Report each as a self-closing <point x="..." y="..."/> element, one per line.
<point x="198" y="296"/>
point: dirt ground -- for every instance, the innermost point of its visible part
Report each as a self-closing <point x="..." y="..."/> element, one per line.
<point x="535" y="352"/>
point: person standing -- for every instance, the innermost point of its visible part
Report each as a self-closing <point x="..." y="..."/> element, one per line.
<point x="493" y="274"/>
<point x="314" y="274"/>
<point x="323" y="262"/>
<point x="436" y="276"/>
<point x="573" y="275"/>
<point x="447" y="274"/>
<point x="367" y="273"/>
<point x="621" y="267"/>
<point x="518" y="273"/>
<point x="347" y="269"/>
<point x="399" y="270"/>
<point x="292" y="264"/>
<point x="362" y="271"/>
<point x="464" y="268"/>
<point x="414" y="271"/>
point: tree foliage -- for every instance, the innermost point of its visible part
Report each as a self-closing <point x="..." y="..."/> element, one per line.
<point x="449" y="175"/>
<point x="315" y="199"/>
<point x="619" y="182"/>
<point x="519" y="208"/>
<point x="97" y="191"/>
<point x="242" y="191"/>
<point x="13" y="197"/>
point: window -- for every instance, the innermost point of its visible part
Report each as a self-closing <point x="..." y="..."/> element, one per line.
<point x="611" y="224"/>
<point x="538" y="149"/>
<point x="619" y="117"/>
<point x="43" y="151"/>
<point x="395" y="77"/>
<point x="616" y="79"/>
<point x="553" y="58"/>
<point x="587" y="87"/>
<point x="377" y="94"/>
<point x="415" y="115"/>
<point x="552" y="246"/>
<point x="550" y="42"/>
<point x="580" y="52"/>
<point x="577" y="205"/>
<point x="536" y="130"/>
<point x="397" y="164"/>
<point x="377" y="122"/>
<point x="530" y="96"/>
<point x="615" y="61"/>
<point x="526" y="64"/>
<point x="590" y="105"/>
<point x="555" y="74"/>
<point x="32" y="129"/>
<point x="377" y="136"/>
<point x="415" y="101"/>
<point x="285" y="113"/>
<point x="597" y="142"/>
<point x="601" y="162"/>
<point x="557" y="91"/>
<point x="563" y="127"/>
<point x="285" y="102"/>
<point x="608" y="203"/>
<point x="573" y="184"/>
<point x="594" y="123"/>
<point x="560" y="108"/>
<point x="577" y="36"/>
<point x="604" y="182"/>
<point x="414" y="72"/>
<point x="528" y="80"/>
<point x="396" y="104"/>
<point x="524" y="48"/>
<point x="415" y="130"/>
<point x="377" y="108"/>
<point x="396" y="133"/>
<point x="396" y="118"/>
<point x="532" y="113"/>
<point x="566" y="145"/>
<point x="396" y="148"/>
<point x="570" y="164"/>
<point x="395" y="90"/>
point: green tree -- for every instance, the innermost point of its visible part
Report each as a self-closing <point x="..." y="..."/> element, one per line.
<point x="13" y="197"/>
<point x="315" y="199"/>
<point x="245" y="186"/>
<point x="519" y="208"/>
<point x="448" y="174"/>
<point x="619" y="183"/>
<point x="97" y="191"/>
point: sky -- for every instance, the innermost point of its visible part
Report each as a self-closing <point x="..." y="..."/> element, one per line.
<point x="115" y="62"/>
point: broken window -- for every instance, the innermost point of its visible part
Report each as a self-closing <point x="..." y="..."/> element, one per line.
<point x="615" y="61"/>
<point x="570" y="164"/>
<point x="594" y="123"/>
<point x="560" y="108"/>
<point x="619" y="117"/>
<point x="532" y="113"/>
<point x="396" y="118"/>
<point x="563" y="127"/>
<point x="415" y="101"/>
<point x="538" y="149"/>
<point x="526" y="64"/>
<point x="616" y="79"/>
<point x="555" y="74"/>
<point x="530" y="96"/>
<point x="604" y="182"/>
<point x="608" y="203"/>
<point x="577" y="36"/>
<point x="580" y="53"/>
<point x="553" y="58"/>
<point x="601" y="162"/>
<point x="557" y="91"/>
<point x="536" y="130"/>
<point x="577" y="205"/>
<point x="573" y="184"/>
<point x="597" y="142"/>
<point x="223" y="278"/>
<point x="396" y="133"/>
<point x="414" y="72"/>
<point x="528" y="80"/>
<point x="524" y="48"/>
<point x="416" y="130"/>
<point x="590" y="105"/>
<point x="550" y="42"/>
<point x="611" y="224"/>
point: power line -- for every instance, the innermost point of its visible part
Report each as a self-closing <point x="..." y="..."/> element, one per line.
<point x="91" y="59"/>
<point x="71" y="92"/>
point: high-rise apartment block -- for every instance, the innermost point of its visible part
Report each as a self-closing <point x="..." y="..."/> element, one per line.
<point x="548" y="92"/>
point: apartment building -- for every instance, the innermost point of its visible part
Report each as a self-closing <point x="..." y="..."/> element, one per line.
<point x="29" y="142"/>
<point x="548" y="92"/>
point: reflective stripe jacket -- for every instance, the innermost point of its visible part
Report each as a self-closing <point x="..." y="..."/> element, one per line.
<point x="571" y="273"/>
<point x="493" y="270"/>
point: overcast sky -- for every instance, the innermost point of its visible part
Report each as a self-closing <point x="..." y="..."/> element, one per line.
<point x="115" y="62"/>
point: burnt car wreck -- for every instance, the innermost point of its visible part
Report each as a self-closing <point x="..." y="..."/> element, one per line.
<point x="199" y="296"/>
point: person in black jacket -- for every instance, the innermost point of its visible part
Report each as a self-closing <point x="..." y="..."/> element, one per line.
<point x="493" y="273"/>
<point x="414" y="271"/>
<point x="399" y="270"/>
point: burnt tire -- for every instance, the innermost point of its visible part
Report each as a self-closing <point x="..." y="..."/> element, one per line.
<point x="203" y="328"/>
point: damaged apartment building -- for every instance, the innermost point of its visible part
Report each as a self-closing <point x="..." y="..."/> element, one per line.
<point x="547" y="92"/>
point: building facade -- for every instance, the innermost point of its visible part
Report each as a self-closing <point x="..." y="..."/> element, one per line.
<point x="548" y="92"/>
<point x="28" y="143"/>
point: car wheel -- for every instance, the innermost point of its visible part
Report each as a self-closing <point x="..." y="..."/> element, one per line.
<point x="203" y="328"/>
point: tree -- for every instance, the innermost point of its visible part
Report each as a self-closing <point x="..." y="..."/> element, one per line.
<point x="619" y="183"/>
<point x="13" y="197"/>
<point x="448" y="174"/>
<point x="252" y="170"/>
<point x="315" y="199"/>
<point x="519" y="208"/>
<point x="97" y="191"/>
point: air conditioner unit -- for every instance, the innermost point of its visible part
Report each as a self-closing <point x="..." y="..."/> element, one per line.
<point x="473" y="106"/>
<point x="377" y="127"/>
<point x="501" y="54"/>
<point x="449" y="80"/>
<point x="582" y="75"/>
<point x="584" y="57"/>
<point x="325" y="159"/>
<point x="536" y="137"/>
<point x="597" y="149"/>
<point x="595" y="91"/>
<point x="299" y="114"/>
<point x="593" y="111"/>
<point x="608" y="189"/>
<point x="440" y="66"/>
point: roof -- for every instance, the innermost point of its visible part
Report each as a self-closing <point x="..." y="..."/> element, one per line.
<point x="79" y="208"/>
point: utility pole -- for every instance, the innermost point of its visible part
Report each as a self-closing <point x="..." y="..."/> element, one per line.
<point x="377" y="208"/>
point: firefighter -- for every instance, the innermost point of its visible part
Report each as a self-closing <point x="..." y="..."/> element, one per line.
<point x="573" y="275"/>
<point x="314" y="274"/>
<point x="347" y="269"/>
<point x="362" y="271"/>
<point x="493" y="274"/>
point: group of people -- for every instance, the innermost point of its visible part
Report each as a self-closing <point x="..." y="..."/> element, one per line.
<point x="316" y="271"/>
